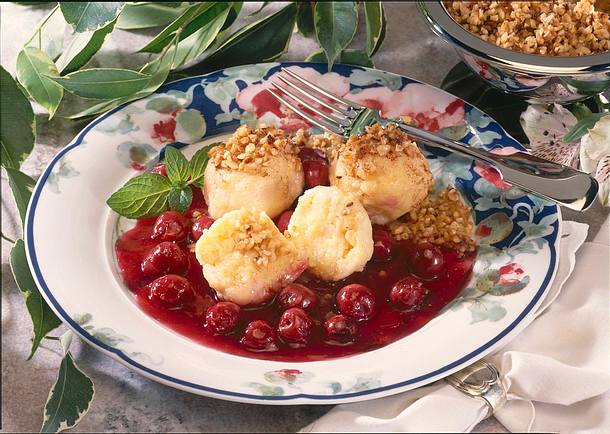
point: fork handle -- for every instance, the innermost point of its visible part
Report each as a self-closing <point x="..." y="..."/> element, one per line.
<point x="562" y="184"/>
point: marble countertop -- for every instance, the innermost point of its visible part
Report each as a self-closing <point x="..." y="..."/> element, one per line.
<point x="124" y="400"/>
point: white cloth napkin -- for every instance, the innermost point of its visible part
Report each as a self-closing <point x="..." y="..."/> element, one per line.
<point x="556" y="371"/>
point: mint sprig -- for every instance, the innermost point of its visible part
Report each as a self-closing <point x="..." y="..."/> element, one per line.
<point x="150" y="194"/>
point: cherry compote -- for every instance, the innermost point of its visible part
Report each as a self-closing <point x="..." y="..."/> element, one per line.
<point x="399" y="291"/>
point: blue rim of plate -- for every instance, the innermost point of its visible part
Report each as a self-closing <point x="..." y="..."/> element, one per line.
<point x="123" y="358"/>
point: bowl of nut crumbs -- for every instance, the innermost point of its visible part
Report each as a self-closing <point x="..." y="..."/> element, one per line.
<point x="552" y="51"/>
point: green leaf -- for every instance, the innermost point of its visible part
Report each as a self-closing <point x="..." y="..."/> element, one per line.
<point x="180" y="198"/>
<point x="82" y="47"/>
<point x="43" y="318"/>
<point x="305" y="18"/>
<point x="503" y="107"/>
<point x="103" y="83"/>
<point x="195" y="16"/>
<point x="348" y="56"/>
<point x="335" y="24"/>
<point x="259" y="10"/>
<point x="375" y="26"/>
<point x="145" y="15"/>
<point x="97" y="109"/>
<point x="89" y="16"/>
<point x="356" y="57"/>
<point x="51" y="37"/>
<point x="21" y="186"/>
<point x="199" y="161"/>
<point x="262" y="41"/>
<point x="34" y="68"/>
<point x="582" y="127"/>
<point x="580" y="110"/>
<point x="177" y="166"/>
<point x="69" y="399"/>
<point x="144" y="196"/>
<point x="17" y="125"/>
<point x="194" y="45"/>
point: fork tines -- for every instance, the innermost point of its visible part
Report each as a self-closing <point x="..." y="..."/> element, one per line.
<point x="307" y="98"/>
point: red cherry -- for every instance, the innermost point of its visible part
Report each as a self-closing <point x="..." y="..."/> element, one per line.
<point x="200" y="224"/>
<point x="340" y="329"/>
<point x="297" y="295"/>
<point x="222" y="318"/>
<point x="308" y="154"/>
<point x="408" y="294"/>
<point x="259" y="336"/>
<point x="283" y="220"/>
<point x="356" y="301"/>
<point x="159" y="169"/>
<point x="427" y="262"/>
<point x="295" y="326"/>
<point x="170" y="226"/>
<point x="170" y="291"/>
<point x="383" y="243"/>
<point x="165" y="258"/>
<point x="316" y="173"/>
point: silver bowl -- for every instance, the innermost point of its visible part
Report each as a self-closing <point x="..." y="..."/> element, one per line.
<point x="538" y="79"/>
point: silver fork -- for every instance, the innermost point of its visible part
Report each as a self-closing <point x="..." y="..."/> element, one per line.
<point x="564" y="185"/>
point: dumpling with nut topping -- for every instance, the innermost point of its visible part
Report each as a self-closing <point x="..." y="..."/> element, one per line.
<point x="253" y="169"/>
<point x="334" y="232"/>
<point x="384" y="169"/>
<point x="246" y="259"/>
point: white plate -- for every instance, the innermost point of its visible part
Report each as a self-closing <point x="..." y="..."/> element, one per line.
<point x="70" y="233"/>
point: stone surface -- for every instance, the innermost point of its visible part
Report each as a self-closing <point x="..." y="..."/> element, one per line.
<point x="126" y="401"/>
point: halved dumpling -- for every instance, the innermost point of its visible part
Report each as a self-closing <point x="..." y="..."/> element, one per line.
<point x="246" y="259"/>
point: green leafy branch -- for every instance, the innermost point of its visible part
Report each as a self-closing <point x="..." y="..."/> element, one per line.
<point x="200" y="34"/>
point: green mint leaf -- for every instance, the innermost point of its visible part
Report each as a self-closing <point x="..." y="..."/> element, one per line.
<point x="259" y="10"/>
<point x="262" y="41"/>
<point x="199" y="161"/>
<point x="375" y="26"/>
<point x="180" y="198"/>
<point x="335" y="26"/>
<point x="582" y="127"/>
<point x="69" y="399"/>
<point x="144" y="196"/>
<point x="34" y="71"/>
<point x="43" y="318"/>
<point x="103" y="83"/>
<point x="21" y="186"/>
<point x="82" y="47"/>
<point x="89" y="16"/>
<point x="17" y="124"/>
<point x="177" y="166"/>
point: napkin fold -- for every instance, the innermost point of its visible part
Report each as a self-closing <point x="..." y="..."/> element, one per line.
<point x="555" y="371"/>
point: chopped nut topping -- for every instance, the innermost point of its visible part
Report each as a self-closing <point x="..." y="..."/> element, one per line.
<point x="251" y="150"/>
<point x="377" y="140"/>
<point x="262" y="242"/>
<point x="442" y="220"/>
<point x="325" y="142"/>
<point x="549" y="28"/>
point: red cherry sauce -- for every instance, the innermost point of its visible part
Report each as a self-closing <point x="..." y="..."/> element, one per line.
<point x="386" y="326"/>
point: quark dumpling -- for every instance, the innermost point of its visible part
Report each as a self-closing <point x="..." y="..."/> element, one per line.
<point x="253" y="169"/>
<point x="333" y="231"/>
<point x="246" y="259"/>
<point x="384" y="169"/>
